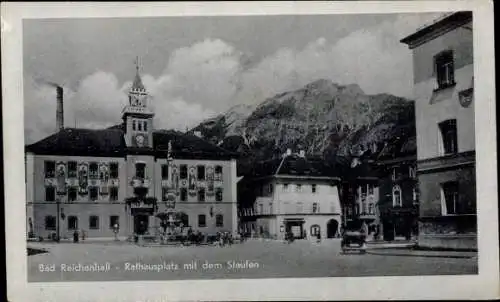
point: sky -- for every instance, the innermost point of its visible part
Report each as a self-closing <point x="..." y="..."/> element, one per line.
<point x="197" y="67"/>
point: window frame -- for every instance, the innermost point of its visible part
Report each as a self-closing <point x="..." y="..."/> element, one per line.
<point x="183" y="194"/>
<point x="448" y="130"/>
<point x="53" y="219"/>
<point x="395" y="189"/>
<point x="98" y="225"/>
<point x="219" y="224"/>
<point x="72" y="227"/>
<point x="50" y="173"/>
<point x="202" y="218"/>
<point x="53" y="189"/>
<point x="164" y="171"/>
<point x="90" y="189"/>
<point x="183" y="171"/>
<point x="456" y="200"/>
<point x="140" y="168"/>
<point x="75" y="190"/>
<point x="72" y="173"/>
<point x="111" y="189"/>
<point x="112" y="223"/>
<point x="201" y="194"/>
<point x="200" y="171"/>
<point x="93" y="174"/>
<point x="112" y="170"/>
<point x="219" y="193"/>
<point x="444" y="69"/>
<point x="314" y="188"/>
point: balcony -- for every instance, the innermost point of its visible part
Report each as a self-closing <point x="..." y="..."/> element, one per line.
<point x="137" y="182"/>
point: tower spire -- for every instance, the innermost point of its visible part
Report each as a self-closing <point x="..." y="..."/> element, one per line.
<point x="137" y="85"/>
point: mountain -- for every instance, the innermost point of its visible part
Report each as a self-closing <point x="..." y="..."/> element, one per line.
<point x="322" y="118"/>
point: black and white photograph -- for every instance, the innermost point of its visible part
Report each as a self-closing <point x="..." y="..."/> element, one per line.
<point x="218" y="147"/>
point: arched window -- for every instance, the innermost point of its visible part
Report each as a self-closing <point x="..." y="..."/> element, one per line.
<point x="396" y="196"/>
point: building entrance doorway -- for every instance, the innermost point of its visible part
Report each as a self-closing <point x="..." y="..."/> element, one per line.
<point x="332" y="228"/>
<point x="141" y="224"/>
<point x="296" y="227"/>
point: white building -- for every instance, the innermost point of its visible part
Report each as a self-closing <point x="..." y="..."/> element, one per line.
<point x="297" y="194"/>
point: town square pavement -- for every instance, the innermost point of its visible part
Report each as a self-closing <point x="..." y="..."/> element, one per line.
<point x="122" y="261"/>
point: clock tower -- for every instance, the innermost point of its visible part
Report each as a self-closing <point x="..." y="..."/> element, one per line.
<point x="137" y="117"/>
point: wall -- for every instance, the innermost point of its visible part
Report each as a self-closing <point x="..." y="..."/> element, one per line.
<point x="326" y="196"/>
<point x="83" y="212"/>
<point x="432" y="107"/>
<point x="430" y="190"/>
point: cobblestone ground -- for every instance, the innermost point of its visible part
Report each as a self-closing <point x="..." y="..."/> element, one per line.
<point x="257" y="259"/>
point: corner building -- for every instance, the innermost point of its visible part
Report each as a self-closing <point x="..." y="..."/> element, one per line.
<point x="80" y="179"/>
<point x="444" y="103"/>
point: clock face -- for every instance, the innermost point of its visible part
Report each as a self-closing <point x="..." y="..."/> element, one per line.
<point x="139" y="139"/>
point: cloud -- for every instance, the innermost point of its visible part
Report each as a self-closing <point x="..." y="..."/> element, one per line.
<point x="212" y="75"/>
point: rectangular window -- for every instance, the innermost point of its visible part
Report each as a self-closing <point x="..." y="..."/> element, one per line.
<point x="164" y="172"/>
<point x="133" y="125"/>
<point x="50" y="223"/>
<point x="50" y="169"/>
<point x="145" y="125"/>
<point x="315" y="207"/>
<point x="113" y="170"/>
<point x="183" y="172"/>
<point x="450" y="194"/>
<point x="114" y="219"/>
<point x="445" y="71"/>
<point x="285" y="187"/>
<point x="139" y="125"/>
<point x="219" y="220"/>
<point x="113" y="193"/>
<point x="218" y="173"/>
<point x="364" y="189"/>
<point x="218" y="194"/>
<point x="412" y="172"/>
<point x="261" y="209"/>
<point x="93" y="192"/>
<point x="371" y="209"/>
<point x="298" y="188"/>
<point x="140" y="170"/>
<point x="94" y="222"/>
<point x="50" y="194"/>
<point x="201" y="172"/>
<point x="448" y="130"/>
<point x="370" y="189"/>
<point x="72" y="193"/>
<point x="72" y="169"/>
<point x="313" y="188"/>
<point x="201" y="194"/>
<point x="72" y="223"/>
<point x="164" y="192"/>
<point x="202" y="220"/>
<point x="184" y="194"/>
<point x="93" y="171"/>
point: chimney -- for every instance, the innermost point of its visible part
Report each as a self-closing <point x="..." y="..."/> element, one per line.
<point x="60" y="109"/>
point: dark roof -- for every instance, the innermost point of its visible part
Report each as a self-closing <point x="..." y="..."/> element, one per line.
<point x="110" y="142"/>
<point x="81" y="142"/>
<point x="399" y="149"/>
<point x="295" y="165"/>
<point x="364" y="170"/>
<point x="452" y="20"/>
<point x="188" y="146"/>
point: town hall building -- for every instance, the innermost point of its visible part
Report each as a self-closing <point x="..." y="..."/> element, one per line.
<point x="80" y="179"/>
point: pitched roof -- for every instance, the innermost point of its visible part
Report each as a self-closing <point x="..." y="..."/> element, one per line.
<point x="188" y="146"/>
<point x="295" y="165"/>
<point x="81" y="142"/>
<point x="398" y="149"/>
<point x="110" y="142"/>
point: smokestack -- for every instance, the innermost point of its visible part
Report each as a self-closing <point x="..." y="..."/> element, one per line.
<point x="60" y="109"/>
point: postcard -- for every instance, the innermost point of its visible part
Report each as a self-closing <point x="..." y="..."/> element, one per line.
<point x="250" y="151"/>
